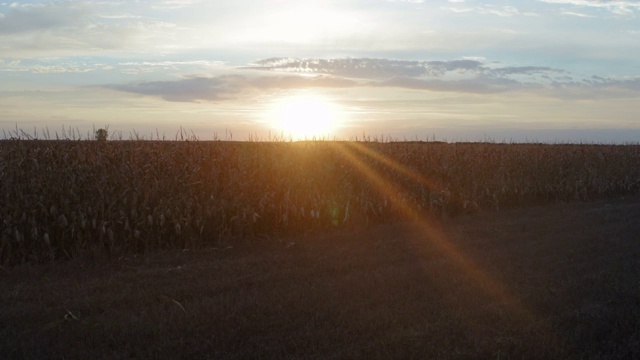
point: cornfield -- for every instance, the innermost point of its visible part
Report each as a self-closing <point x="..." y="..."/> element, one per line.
<point x="61" y="198"/>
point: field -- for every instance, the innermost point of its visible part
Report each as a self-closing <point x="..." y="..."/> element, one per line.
<point x="319" y="250"/>
<point x="61" y="199"/>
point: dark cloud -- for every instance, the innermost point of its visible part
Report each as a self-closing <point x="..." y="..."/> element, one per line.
<point x="226" y="87"/>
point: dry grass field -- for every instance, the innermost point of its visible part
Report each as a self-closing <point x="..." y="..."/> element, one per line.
<point x="319" y="251"/>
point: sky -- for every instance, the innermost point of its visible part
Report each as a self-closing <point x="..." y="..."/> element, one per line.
<point x="453" y="70"/>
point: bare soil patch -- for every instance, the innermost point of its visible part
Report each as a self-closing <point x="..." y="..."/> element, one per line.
<point x="555" y="281"/>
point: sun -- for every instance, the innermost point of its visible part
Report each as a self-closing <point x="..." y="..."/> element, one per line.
<point x="306" y="116"/>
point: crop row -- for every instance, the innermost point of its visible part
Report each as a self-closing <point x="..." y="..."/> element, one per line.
<point x="61" y="198"/>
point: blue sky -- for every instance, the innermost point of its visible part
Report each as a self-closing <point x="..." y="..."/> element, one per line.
<point x="550" y="70"/>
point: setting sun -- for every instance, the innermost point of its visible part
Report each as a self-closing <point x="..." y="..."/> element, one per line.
<point x="305" y="117"/>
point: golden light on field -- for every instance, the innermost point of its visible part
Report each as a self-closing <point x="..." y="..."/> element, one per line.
<point x="305" y="116"/>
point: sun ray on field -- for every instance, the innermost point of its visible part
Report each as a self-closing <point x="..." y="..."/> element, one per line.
<point x="411" y="173"/>
<point x="427" y="225"/>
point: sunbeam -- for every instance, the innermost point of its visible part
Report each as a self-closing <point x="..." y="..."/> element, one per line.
<point x="428" y="225"/>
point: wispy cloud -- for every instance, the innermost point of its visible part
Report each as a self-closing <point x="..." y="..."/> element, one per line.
<point x="577" y="14"/>
<point x="19" y="66"/>
<point x="480" y="85"/>
<point x="366" y="68"/>
<point x="119" y="16"/>
<point x="502" y="11"/>
<point x="72" y="28"/>
<point x="140" y="67"/>
<point x="175" y="4"/>
<point x="20" y="19"/>
<point x="620" y="7"/>
<point x="407" y="1"/>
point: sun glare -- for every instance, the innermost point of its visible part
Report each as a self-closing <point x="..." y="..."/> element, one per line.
<point x="306" y="117"/>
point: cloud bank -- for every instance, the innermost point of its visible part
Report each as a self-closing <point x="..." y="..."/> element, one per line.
<point x="366" y="68"/>
<point x="226" y="87"/>
<point x="471" y="76"/>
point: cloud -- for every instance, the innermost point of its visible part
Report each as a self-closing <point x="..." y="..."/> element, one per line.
<point x="632" y="84"/>
<point x="365" y="68"/>
<point x="480" y="85"/>
<point x="175" y="4"/>
<point x="462" y="76"/>
<point x="592" y="88"/>
<point x="459" y="9"/>
<point x="502" y="11"/>
<point x="226" y="87"/>
<point x="577" y="14"/>
<point x="33" y="67"/>
<point x="620" y="7"/>
<point x="385" y="69"/>
<point x="41" y="17"/>
<point x="119" y="16"/>
<point x="408" y="1"/>
<point x="138" y="67"/>
<point x="297" y="82"/>
<point x="187" y="89"/>
<point x="596" y="3"/>
<point x="76" y="28"/>
<point x="524" y="70"/>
